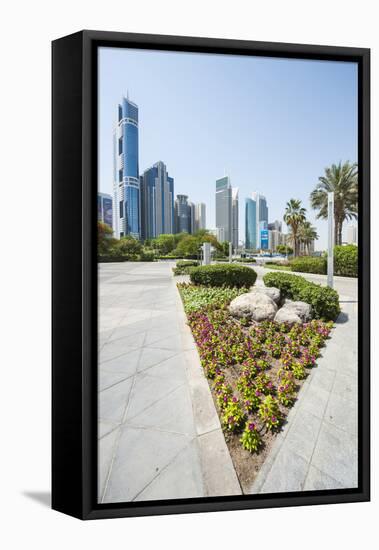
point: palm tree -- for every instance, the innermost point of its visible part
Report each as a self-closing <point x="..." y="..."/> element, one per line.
<point x="307" y="234"/>
<point x="294" y="216"/>
<point x="342" y="179"/>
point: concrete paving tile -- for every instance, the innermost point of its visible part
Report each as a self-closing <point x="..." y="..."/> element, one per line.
<point x="172" y="368"/>
<point x="342" y="414"/>
<point x="105" y="428"/>
<point x="319" y="481"/>
<point x="126" y="363"/>
<point x="141" y="456"/>
<point x="322" y="378"/>
<point x="170" y="413"/>
<point x="287" y="473"/>
<point x="302" y="434"/>
<point x="107" y="447"/>
<point x="146" y="391"/>
<point x="113" y="401"/>
<point x="346" y="386"/>
<point x="152" y="356"/>
<point x="180" y="479"/>
<point x="315" y="401"/>
<point x="118" y="347"/>
<point x="336" y="454"/>
<point x="108" y="379"/>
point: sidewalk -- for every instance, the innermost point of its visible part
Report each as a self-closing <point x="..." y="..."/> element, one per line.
<point x="159" y="433"/>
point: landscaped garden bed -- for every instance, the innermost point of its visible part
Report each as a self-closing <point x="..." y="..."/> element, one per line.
<point x="255" y="369"/>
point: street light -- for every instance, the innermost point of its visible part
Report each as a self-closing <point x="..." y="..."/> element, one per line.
<point x="330" y="239"/>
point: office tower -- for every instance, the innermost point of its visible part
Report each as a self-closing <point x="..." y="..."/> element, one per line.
<point x="250" y="224"/>
<point x="261" y="219"/>
<point x="182" y="214"/>
<point x="126" y="183"/>
<point x="235" y="220"/>
<point x="275" y="226"/>
<point x="275" y="238"/>
<point x="351" y="234"/>
<point x="192" y="216"/>
<point x="200" y="216"/>
<point x="105" y="208"/>
<point x="157" y="202"/>
<point x="224" y="209"/>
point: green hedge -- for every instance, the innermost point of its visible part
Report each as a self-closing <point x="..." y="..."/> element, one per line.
<point x="324" y="300"/>
<point x="346" y="260"/>
<point x="245" y="260"/>
<point x="309" y="264"/>
<point x="183" y="267"/>
<point x="229" y="275"/>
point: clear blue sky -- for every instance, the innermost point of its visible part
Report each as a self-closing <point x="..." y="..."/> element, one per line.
<point x="272" y="124"/>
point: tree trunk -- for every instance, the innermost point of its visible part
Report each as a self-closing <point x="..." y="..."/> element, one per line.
<point x="336" y="229"/>
<point x="340" y="233"/>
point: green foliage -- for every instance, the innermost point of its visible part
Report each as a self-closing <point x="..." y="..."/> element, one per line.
<point x="104" y="238"/>
<point x="229" y="275"/>
<point x="196" y="298"/>
<point x="269" y="412"/>
<point x="346" y="260"/>
<point x="233" y="415"/>
<point x="127" y="246"/>
<point x="147" y="256"/>
<point x="245" y="260"/>
<point x="309" y="264"/>
<point x="183" y="266"/>
<point x="167" y="242"/>
<point x="324" y="300"/>
<point x="284" y="249"/>
<point x="251" y="440"/>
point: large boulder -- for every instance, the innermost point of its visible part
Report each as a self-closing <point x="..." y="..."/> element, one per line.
<point x="285" y="315"/>
<point x="255" y="306"/>
<point x="270" y="291"/>
<point x="301" y="309"/>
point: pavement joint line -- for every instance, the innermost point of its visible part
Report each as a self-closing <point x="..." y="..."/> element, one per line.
<point x="180" y="385"/>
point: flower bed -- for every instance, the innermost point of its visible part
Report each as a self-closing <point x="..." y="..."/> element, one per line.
<point x="255" y="370"/>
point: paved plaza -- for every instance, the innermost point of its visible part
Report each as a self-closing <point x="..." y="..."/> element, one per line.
<point x="159" y="432"/>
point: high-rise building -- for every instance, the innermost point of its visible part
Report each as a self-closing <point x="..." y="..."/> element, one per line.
<point x="105" y="209"/>
<point x="192" y="216"/>
<point x="261" y="218"/>
<point x="275" y="226"/>
<point x="351" y="234"/>
<point x="157" y="202"/>
<point x="126" y="183"/>
<point x="250" y="224"/>
<point x="235" y="235"/>
<point x="182" y="214"/>
<point x="224" y="209"/>
<point x="200" y="216"/>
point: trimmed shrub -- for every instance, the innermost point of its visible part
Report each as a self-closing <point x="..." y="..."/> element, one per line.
<point x="309" y="264"/>
<point x="147" y="256"/>
<point x="324" y="300"/>
<point x="183" y="267"/>
<point x="223" y="275"/>
<point x="245" y="260"/>
<point x="346" y="260"/>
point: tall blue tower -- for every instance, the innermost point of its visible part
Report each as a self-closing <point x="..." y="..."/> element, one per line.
<point x="126" y="183"/>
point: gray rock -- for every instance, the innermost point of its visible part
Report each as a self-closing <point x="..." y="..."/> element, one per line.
<point x="270" y="291"/>
<point x="301" y="309"/>
<point x="254" y="305"/>
<point x="285" y="315"/>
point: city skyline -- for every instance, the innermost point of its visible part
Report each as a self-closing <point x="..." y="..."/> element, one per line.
<point x="272" y="133"/>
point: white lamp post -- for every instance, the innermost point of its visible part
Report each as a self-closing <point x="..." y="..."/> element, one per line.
<point x="330" y="239"/>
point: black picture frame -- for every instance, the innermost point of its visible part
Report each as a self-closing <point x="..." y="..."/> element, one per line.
<point x="74" y="273"/>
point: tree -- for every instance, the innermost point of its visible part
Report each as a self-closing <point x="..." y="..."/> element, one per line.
<point x="188" y="246"/>
<point x="294" y="216"/>
<point x="307" y="233"/>
<point x="128" y="246"/>
<point x="284" y="249"/>
<point x="104" y="238"/>
<point x="342" y="180"/>
<point x="165" y="243"/>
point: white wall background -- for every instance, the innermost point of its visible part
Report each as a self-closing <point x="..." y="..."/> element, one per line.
<point x="27" y="29"/>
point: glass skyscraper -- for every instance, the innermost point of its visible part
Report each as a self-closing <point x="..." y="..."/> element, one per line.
<point x="250" y="224"/>
<point x="261" y="217"/>
<point x="182" y="214"/>
<point x="157" y="202"/>
<point x="224" y="220"/>
<point x="105" y="209"/>
<point x="235" y="217"/>
<point x="126" y="183"/>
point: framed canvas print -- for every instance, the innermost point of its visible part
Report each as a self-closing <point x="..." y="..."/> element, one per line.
<point x="211" y="302"/>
